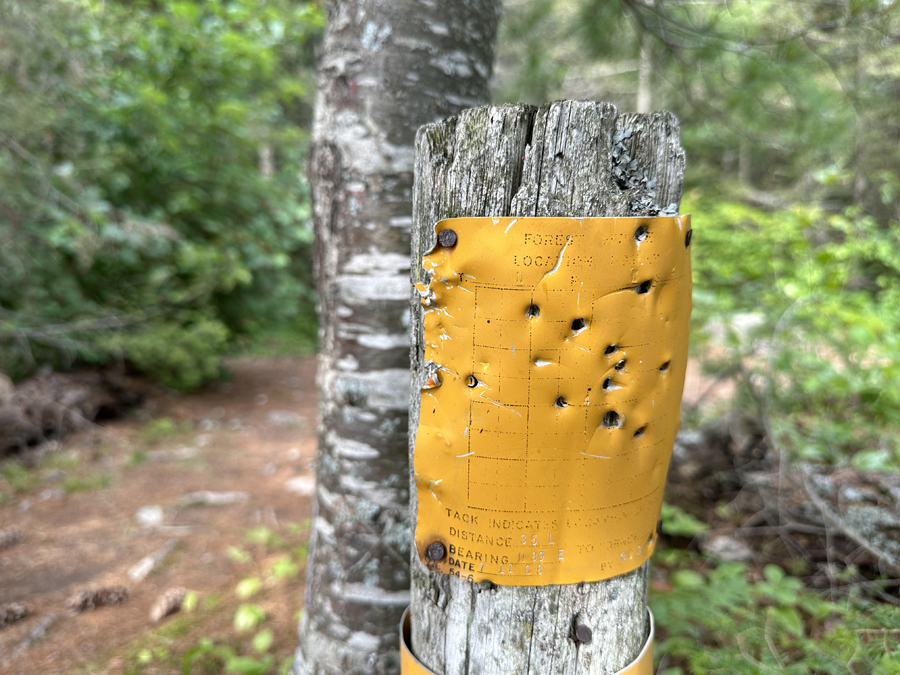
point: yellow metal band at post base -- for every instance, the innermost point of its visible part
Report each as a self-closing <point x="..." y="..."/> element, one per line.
<point x="558" y="348"/>
<point x="410" y="665"/>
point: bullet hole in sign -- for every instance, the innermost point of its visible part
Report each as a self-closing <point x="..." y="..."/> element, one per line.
<point x="612" y="419"/>
<point x="641" y="233"/>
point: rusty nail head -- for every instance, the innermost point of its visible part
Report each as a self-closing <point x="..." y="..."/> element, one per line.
<point x="583" y="634"/>
<point x="435" y="551"/>
<point x="447" y="238"/>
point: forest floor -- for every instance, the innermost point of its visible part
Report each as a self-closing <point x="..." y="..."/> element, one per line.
<point x="80" y="516"/>
<point x="103" y="500"/>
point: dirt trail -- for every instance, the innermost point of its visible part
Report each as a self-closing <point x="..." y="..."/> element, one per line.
<point x="252" y="434"/>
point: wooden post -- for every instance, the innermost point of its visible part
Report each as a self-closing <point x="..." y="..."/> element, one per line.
<point x="570" y="158"/>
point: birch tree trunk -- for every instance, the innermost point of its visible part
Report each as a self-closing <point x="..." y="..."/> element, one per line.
<point x="645" y="70"/>
<point x="564" y="159"/>
<point x="387" y="67"/>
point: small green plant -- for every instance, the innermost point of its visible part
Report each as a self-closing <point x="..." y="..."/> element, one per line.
<point x="238" y="555"/>
<point x="163" y="428"/>
<point x="94" y="481"/>
<point x="251" y="648"/>
<point x="264" y="537"/>
<point x="248" y="587"/>
<point x="720" y="620"/>
<point x="285" y="567"/>
<point x="18" y="477"/>
<point x="138" y="457"/>
<point x="247" y="617"/>
<point x="678" y="523"/>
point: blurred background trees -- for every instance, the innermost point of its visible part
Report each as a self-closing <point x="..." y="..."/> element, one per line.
<point x="790" y="125"/>
<point x="154" y="212"/>
<point x="149" y="162"/>
<point x="152" y="205"/>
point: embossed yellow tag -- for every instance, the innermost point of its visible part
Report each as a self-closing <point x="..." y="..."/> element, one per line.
<point x="559" y="348"/>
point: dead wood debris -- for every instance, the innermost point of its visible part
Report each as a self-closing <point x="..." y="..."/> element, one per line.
<point x="51" y="405"/>
<point x="9" y="538"/>
<point x="863" y="507"/>
<point x="819" y="514"/>
<point x="207" y="498"/>
<point x="168" y="603"/>
<point x="12" y="612"/>
<point x="98" y="597"/>
<point x="143" y="567"/>
<point x="38" y="632"/>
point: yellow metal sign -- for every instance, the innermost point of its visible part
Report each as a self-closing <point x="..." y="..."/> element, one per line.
<point x="410" y="665"/>
<point x="559" y="348"/>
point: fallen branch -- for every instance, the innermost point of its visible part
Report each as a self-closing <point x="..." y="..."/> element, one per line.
<point x="834" y="519"/>
<point x="37" y="633"/>
<point x="148" y="563"/>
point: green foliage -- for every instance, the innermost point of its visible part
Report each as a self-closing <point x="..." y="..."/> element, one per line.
<point x="65" y="470"/>
<point x="247" y="617"/>
<point x="181" y="357"/>
<point x="163" y="428"/>
<point x="722" y="620"/>
<point x="87" y="483"/>
<point x="17" y="477"/>
<point x="678" y="523"/>
<point x="252" y="647"/>
<point x="248" y="587"/>
<point x="790" y="125"/>
<point x="826" y="290"/>
<point x="527" y="29"/>
<point x="263" y="536"/>
<point x="149" y="155"/>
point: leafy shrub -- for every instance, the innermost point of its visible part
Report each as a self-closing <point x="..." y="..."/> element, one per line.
<point x="149" y="163"/>
<point x="181" y="357"/>
<point x="826" y="290"/>
<point x="719" y="620"/>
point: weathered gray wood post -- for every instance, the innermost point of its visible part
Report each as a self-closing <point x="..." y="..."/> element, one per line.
<point x="570" y="158"/>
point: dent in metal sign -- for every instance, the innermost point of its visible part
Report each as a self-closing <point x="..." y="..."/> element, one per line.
<point x="558" y="348"/>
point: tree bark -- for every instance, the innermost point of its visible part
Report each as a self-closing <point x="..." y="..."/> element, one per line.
<point x="645" y="90"/>
<point x="386" y="68"/>
<point x="570" y="158"/>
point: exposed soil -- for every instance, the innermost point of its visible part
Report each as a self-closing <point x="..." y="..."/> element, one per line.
<point x="77" y="515"/>
<point x="77" y="511"/>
